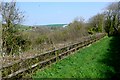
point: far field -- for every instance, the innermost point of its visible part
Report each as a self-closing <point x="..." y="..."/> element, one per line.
<point x="99" y="60"/>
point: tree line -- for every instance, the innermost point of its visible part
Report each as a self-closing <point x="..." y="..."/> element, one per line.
<point x="15" y="42"/>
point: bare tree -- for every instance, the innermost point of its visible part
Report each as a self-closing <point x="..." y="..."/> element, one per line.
<point x="77" y="27"/>
<point x="11" y="14"/>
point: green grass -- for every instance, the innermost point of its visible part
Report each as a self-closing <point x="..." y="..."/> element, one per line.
<point x="89" y="62"/>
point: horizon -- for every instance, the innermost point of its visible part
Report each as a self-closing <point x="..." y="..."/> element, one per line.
<point x="45" y="13"/>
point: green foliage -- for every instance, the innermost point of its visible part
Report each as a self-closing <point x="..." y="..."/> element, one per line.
<point x="111" y="19"/>
<point x="96" y="23"/>
<point x="41" y="39"/>
<point x="119" y="30"/>
<point x="90" y="31"/>
<point x="13" y="42"/>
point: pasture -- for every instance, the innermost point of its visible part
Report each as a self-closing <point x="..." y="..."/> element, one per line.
<point x="99" y="60"/>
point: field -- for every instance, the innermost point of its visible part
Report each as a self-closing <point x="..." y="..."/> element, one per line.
<point x="55" y="25"/>
<point x="99" y="60"/>
<point x="38" y="44"/>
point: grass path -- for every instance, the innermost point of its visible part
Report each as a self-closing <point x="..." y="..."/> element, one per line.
<point x="86" y="63"/>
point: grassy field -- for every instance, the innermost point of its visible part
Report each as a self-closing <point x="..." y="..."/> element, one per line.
<point x="100" y="60"/>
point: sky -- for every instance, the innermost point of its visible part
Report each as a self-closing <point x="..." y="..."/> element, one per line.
<point x="43" y="13"/>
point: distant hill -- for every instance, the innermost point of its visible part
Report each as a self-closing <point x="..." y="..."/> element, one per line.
<point x="55" y="25"/>
<point x="50" y="25"/>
